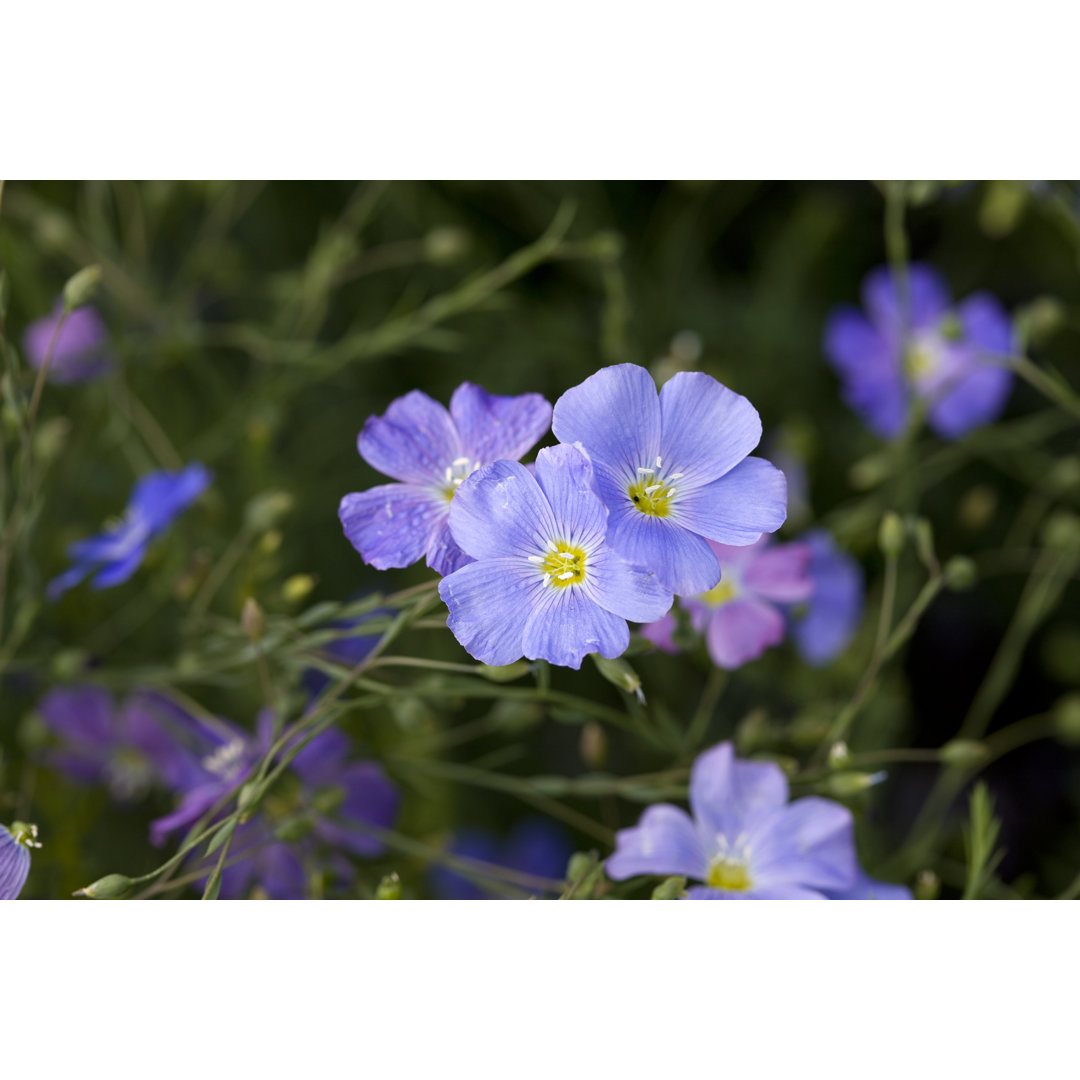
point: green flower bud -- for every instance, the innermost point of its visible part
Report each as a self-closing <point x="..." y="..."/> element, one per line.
<point x="1062" y="530"/>
<point x="506" y="672"/>
<point x="1002" y="206"/>
<point x="110" y="887"/>
<point x="446" y="244"/>
<point x="49" y="439"/>
<point x="674" y="888"/>
<point x="389" y="888"/>
<point x="844" y="785"/>
<point x="960" y="572"/>
<point x="870" y="471"/>
<point x="252" y="619"/>
<point x="265" y="510"/>
<point x="594" y="745"/>
<point x="297" y="588"/>
<point x="1040" y="320"/>
<point x="963" y="753"/>
<point x="891" y="535"/>
<point x="1065" y="475"/>
<point x="927" y="886"/>
<point x="619" y="673"/>
<point x="924" y="542"/>
<point x="288" y="832"/>
<point x="839" y="755"/>
<point x="1066" y="713"/>
<point x="977" y="507"/>
<point x="80" y="287"/>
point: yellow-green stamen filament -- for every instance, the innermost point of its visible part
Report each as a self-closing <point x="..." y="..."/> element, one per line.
<point x="652" y="492"/>
<point x="563" y="565"/>
<point x="456" y="474"/>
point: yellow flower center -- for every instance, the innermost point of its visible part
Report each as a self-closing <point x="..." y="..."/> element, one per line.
<point x="563" y="565"/>
<point x="651" y="492"/>
<point x="456" y="474"/>
<point x="719" y="594"/>
<point x="921" y="361"/>
<point x="730" y="874"/>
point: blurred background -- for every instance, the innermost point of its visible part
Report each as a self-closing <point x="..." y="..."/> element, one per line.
<point x="254" y="328"/>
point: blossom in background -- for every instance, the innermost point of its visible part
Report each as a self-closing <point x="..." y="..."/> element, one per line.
<point x="348" y="650"/>
<point x="865" y="888"/>
<point x="15" y="845"/>
<point x="534" y="846"/>
<point x="824" y="625"/>
<point x="672" y="469"/>
<point x="544" y="584"/>
<point x="79" y="353"/>
<point x="127" y="748"/>
<point x="952" y="356"/>
<point x="745" y="841"/>
<point x="742" y="616"/>
<point x="114" y="555"/>
<point x="430" y="452"/>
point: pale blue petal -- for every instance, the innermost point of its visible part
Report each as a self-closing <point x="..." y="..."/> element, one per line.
<point x="728" y="795"/>
<point x="490" y="603"/>
<point x="14" y="865"/>
<point x="443" y="554"/>
<point x="628" y="591"/>
<point x="682" y="561"/>
<point x="706" y="429"/>
<point x="809" y="843"/>
<point x="780" y="892"/>
<point x="392" y="525"/>
<point x="566" y="478"/>
<point x="928" y="297"/>
<point x="615" y="415"/>
<point x="741" y="630"/>
<point x="663" y="842"/>
<point x="836" y="603"/>
<point x="971" y="401"/>
<point x="492" y="427"/>
<point x="566" y="625"/>
<point x="413" y="441"/>
<point x="866" y="888"/>
<point x="739" y="507"/>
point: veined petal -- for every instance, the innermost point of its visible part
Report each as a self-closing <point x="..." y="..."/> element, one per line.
<point x="664" y="841"/>
<point x="629" y="591"/>
<point x="567" y="624"/>
<point x="492" y="427"/>
<point x="14" y="865"/>
<point x="615" y="415"/>
<point x="500" y="511"/>
<point x="566" y="477"/>
<point x="781" y="573"/>
<point x="706" y="429"/>
<point x="413" y="441"/>
<point x="741" y="630"/>
<point x="728" y="795"/>
<point x="392" y="525"/>
<point x="682" y="561"/>
<point x="490" y="602"/>
<point x="443" y="554"/>
<point x="809" y="843"/>
<point x="738" y="507"/>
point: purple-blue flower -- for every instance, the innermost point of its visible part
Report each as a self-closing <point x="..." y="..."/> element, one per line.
<point x="430" y="451"/>
<point x="544" y="584"/>
<point x="743" y="615"/>
<point x="114" y="555"/>
<point x="825" y="624"/>
<point x="80" y="353"/>
<point x="745" y="841"/>
<point x="866" y="888"/>
<point x="15" y="845"/>
<point x="951" y="356"/>
<point x="672" y="469"/>
<point x="126" y="749"/>
<point x="534" y="846"/>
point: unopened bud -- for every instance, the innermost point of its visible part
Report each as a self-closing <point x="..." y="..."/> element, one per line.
<point x="24" y="833"/>
<point x="1065" y="474"/>
<point x="80" y="287"/>
<point x="977" y="507"/>
<point x="265" y="510"/>
<point x="288" y="832"/>
<point x="839" y="755"/>
<point x="594" y="745"/>
<point x="389" y="888"/>
<point x="297" y="588"/>
<point x="619" y="673"/>
<point x="252" y="619"/>
<point x="110" y="887"/>
<point x="506" y="672"/>
<point x="249" y="797"/>
<point x="960" y="572"/>
<point x="870" y="471"/>
<point x="270" y="541"/>
<point x="924" y="542"/>
<point x="68" y="663"/>
<point x="674" y="888"/>
<point x="49" y="439"/>
<point x="1040" y="320"/>
<point x="846" y="784"/>
<point x="1062" y="530"/>
<point x="963" y="753"/>
<point x="927" y="885"/>
<point x="1066" y="713"/>
<point x="446" y="244"/>
<point x="580" y="864"/>
<point x="891" y="535"/>
<point x="1002" y="206"/>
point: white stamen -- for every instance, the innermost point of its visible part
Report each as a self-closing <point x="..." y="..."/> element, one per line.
<point x="535" y="558"/>
<point x="461" y="461"/>
<point x="643" y="470"/>
<point x="659" y="463"/>
<point x="566" y="575"/>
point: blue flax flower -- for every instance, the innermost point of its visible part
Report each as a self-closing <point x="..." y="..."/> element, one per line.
<point x="951" y="357"/>
<point x="544" y="584"/>
<point x="15" y="845"/>
<point x="745" y="841"/>
<point x="431" y="451"/>
<point x="866" y="888"/>
<point x="672" y="469"/>
<point x="80" y="352"/>
<point x="126" y="749"/>
<point x="825" y="624"/>
<point x="114" y="555"/>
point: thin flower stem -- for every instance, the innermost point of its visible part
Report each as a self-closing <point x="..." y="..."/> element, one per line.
<point x="1054" y="388"/>
<point x="715" y="684"/>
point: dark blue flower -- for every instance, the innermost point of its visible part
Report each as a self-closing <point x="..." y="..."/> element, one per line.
<point x="544" y="584"/>
<point x="673" y="470"/>
<point x="80" y="352"/>
<point x="114" y="555"/>
<point x="534" y="846"/>
<point x="431" y="451"/>
<point x="15" y="845"/>
<point x="951" y="357"/>
<point x="825" y="624"/>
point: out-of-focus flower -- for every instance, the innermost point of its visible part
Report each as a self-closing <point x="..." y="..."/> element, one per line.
<point x="866" y="888"/>
<point x="348" y="650"/>
<point x="431" y="451"/>
<point x="662" y="633"/>
<point x="742" y="616"/>
<point x="534" y="846"/>
<point x="672" y="469"/>
<point x="126" y="749"/>
<point x="544" y="584"/>
<point x="824" y="625"/>
<point x="745" y="841"/>
<point x="15" y="845"/>
<point x="114" y="555"/>
<point x="80" y="353"/>
<point x="951" y="357"/>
